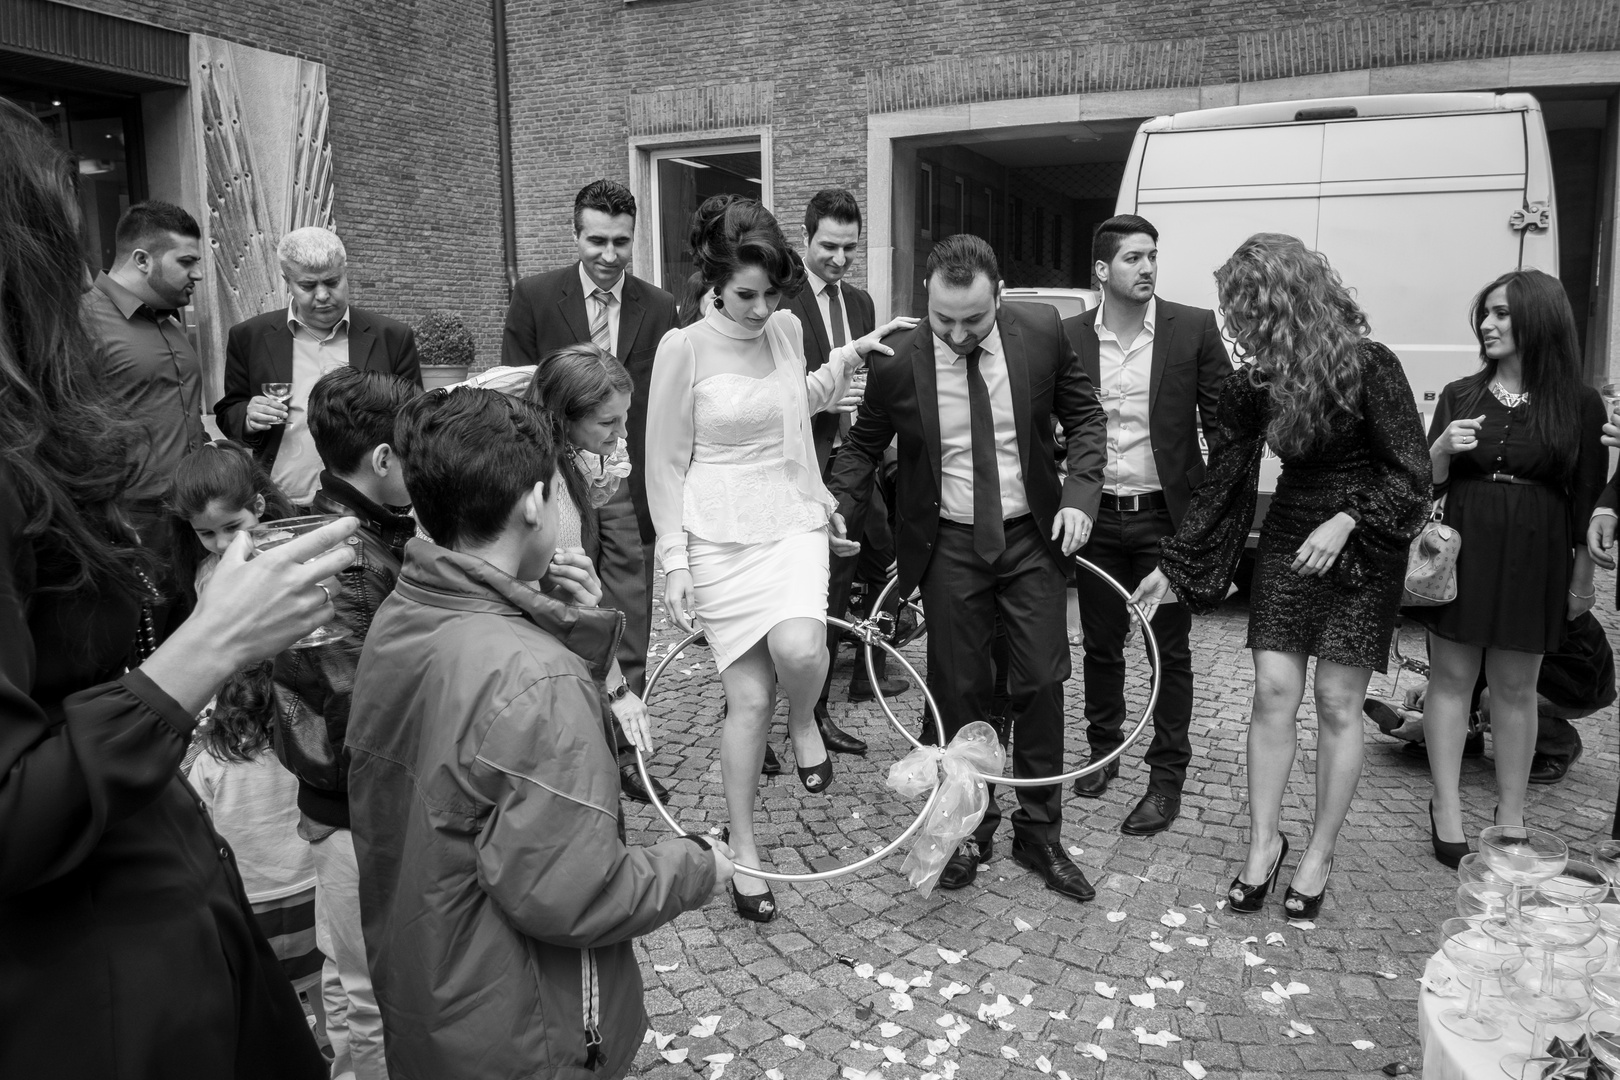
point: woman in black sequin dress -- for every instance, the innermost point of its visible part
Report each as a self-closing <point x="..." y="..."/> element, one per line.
<point x="1517" y="450"/>
<point x="1354" y="489"/>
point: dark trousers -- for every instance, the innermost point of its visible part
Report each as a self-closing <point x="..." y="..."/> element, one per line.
<point x="962" y="596"/>
<point x="626" y="575"/>
<point x="871" y="567"/>
<point x="1126" y="545"/>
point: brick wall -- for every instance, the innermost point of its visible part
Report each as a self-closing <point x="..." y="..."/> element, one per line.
<point x="413" y="139"/>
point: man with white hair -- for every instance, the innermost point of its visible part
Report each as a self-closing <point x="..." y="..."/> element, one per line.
<point x="296" y="345"/>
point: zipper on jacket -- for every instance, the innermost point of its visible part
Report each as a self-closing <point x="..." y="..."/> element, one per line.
<point x="590" y="1001"/>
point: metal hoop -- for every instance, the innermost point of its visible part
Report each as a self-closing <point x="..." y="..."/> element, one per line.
<point x="1040" y="781"/>
<point x="868" y="631"/>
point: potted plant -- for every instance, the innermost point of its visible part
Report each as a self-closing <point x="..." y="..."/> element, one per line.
<point x="445" y="346"/>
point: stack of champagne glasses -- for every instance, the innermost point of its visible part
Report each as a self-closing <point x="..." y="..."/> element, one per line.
<point x="1537" y="940"/>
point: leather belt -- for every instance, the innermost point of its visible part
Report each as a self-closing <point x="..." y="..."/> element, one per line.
<point x="1132" y="504"/>
<point x="1019" y="520"/>
<point x="1507" y="478"/>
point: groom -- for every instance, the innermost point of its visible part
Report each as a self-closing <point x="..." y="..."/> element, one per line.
<point x="984" y="526"/>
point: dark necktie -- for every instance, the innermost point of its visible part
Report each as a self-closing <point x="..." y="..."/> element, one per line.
<point x="835" y="314"/>
<point x="989" y="539"/>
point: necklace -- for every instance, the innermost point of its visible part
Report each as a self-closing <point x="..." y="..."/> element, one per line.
<point x="1512" y="401"/>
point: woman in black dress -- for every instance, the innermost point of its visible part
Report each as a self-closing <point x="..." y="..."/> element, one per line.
<point x="1336" y="408"/>
<point x="1518" y="453"/>
<point x="127" y="945"/>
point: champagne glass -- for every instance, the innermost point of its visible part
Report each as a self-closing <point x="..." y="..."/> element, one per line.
<point x="1473" y="868"/>
<point x="1540" y="1010"/>
<point x="1607" y="859"/>
<point x="1580" y="882"/>
<point x="272" y="534"/>
<point x="279" y="391"/>
<point x="1603" y="1036"/>
<point x="1522" y="856"/>
<point x="1482" y="899"/>
<point x="1475" y="952"/>
<point x="1609" y="927"/>
<point x="1556" y="927"/>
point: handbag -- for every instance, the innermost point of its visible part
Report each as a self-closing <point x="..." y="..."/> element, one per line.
<point x="1431" y="562"/>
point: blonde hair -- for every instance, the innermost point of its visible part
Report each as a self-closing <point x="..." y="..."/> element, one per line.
<point x="1299" y="331"/>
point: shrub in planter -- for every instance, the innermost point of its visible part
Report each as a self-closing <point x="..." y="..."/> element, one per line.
<point x="445" y="346"/>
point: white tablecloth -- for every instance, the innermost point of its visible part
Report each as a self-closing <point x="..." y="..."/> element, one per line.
<point x="1449" y="1056"/>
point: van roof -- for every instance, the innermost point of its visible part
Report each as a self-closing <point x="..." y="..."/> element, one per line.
<point x="1287" y="112"/>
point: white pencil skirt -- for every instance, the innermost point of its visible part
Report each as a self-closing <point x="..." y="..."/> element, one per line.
<point x="742" y="590"/>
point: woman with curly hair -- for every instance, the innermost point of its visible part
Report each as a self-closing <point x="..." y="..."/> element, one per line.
<point x="1337" y="409"/>
<point x="738" y="503"/>
<point x="1517" y="451"/>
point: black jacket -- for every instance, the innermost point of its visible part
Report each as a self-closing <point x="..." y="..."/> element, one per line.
<point x="314" y="686"/>
<point x="862" y="317"/>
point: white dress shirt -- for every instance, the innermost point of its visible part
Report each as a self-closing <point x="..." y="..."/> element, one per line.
<point x="297" y="468"/>
<point x="613" y="309"/>
<point x="1122" y="387"/>
<point x="820" y="288"/>
<point x="956" y="431"/>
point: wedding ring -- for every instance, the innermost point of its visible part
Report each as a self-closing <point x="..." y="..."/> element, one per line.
<point x="324" y="591"/>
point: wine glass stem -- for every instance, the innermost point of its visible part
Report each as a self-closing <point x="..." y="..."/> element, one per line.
<point x="1471" y="1009"/>
<point x="1514" y="901"/>
<point x="1547" y="973"/>
<point x="1535" y="1038"/>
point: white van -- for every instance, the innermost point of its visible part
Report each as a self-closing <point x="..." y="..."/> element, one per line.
<point x="1418" y="200"/>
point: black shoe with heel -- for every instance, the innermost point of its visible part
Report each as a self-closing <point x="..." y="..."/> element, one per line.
<point x="1296" y="905"/>
<point x="1247" y="898"/>
<point x="818" y="777"/>
<point x="761" y="908"/>
<point x="1448" y="852"/>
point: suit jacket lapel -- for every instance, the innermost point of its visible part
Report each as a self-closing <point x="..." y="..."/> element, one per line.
<point x="927" y="387"/>
<point x="571" y="306"/>
<point x="810" y="315"/>
<point x="630" y="313"/>
<point x="1164" y="327"/>
<point x="1090" y="350"/>
<point x="281" y="352"/>
<point x="1012" y="346"/>
<point x="362" y="340"/>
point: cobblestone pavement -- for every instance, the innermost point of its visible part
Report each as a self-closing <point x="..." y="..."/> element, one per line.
<point x="788" y="998"/>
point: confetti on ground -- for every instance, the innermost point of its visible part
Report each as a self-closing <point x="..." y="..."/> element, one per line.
<point x="948" y="1020"/>
<point x="1061" y="1014"/>
<point x="661" y="1040"/>
<point x="1173" y="919"/>
<point x="1160" y="946"/>
<point x="891" y="982"/>
<point x="1251" y="960"/>
<point x="1363" y="1044"/>
<point x="925" y="980"/>
<point x="675" y="1057"/>
<point x="995" y="1011"/>
<point x="1271" y="998"/>
<point x="1195" y="1070"/>
<point x="665" y="967"/>
<point x="1116" y="916"/>
<point x="1302" y="924"/>
<point x="1302" y="1027"/>
<point x="1274" y="938"/>
<point x="1389" y="974"/>
<point x="896" y="1057"/>
<point x="1021" y="926"/>
<point x="1144" y="1001"/>
<point x="1076" y="852"/>
<point x="793" y="1042"/>
<point x="950" y="957"/>
<point x="1009" y="1053"/>
<point x="1043" y="1063"/>
<point x="775" y="1074"/>
<point x="1200" y="907"/>
<point x="1198" y="942"/>
<point x="1104" y="989"/>
<point x="900" y="1001"/>
<point x="1144" y="1037"/>
<point x="851" y="1073"/>
<point x="1197" y="1006"/>
<point x="938" y="1046"/>
<point x="1027" y="1000"/>
<point x="955" y="989"/>
<point x="704" y="1027"/>
<point x="1094" y="1051"/>
<point x="1106" y="1024"/>
<point x="864" y="970"/>
<point x="719" y="1059"/>
<point x="888" y="1029"/>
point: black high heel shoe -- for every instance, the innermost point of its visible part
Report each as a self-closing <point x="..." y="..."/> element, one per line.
<point x="760" y="908"/>
<point x="1248" y="898"/>
<point x="1308" y="906"/>
<point x="818" y="777"/>
<point x="1449" y="853"/>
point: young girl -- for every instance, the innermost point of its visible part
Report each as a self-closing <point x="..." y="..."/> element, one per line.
<point x="214" y="494"/>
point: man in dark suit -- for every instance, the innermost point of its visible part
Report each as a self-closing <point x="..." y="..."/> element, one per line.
<point x="1158" y="368"/>
<point x="984" y="525"/>
<point x="597" y="299"/>
<point x="834" y="312"/>
<point x="317" y="332"/>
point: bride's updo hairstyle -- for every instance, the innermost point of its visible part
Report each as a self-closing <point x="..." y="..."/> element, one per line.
<point x="730" y="232"/>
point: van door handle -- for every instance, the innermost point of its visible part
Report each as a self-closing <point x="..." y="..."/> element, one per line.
<point x="1538" y="215"/>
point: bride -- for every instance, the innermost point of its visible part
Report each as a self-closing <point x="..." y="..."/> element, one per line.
<point x="738" y="503"/>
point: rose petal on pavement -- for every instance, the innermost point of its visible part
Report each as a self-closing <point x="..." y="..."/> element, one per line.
<point x="1389" y="974"/>
<point x="1061" y="1014"/>
<point x="1197" y="1006"/>
<point x="1106" y="1024"/>
<point x="1027" y="1000"/>
<point x="1271" y="997"/>
<point x="1363" y="1044"/>
<point x="704" y="1027"/>
<point x="888" y="1029"/>
<point x="1302" y="1027"/>
<point x="1159" y="946"/>
<point x="1173" y="919"/>
<point x="1009" y="1053"/>
<point x="775" y="1074"/>
<point x="1302" y="924"/>
<point x="1020" y="925"/>
<point x="675" y="1057"/>
<point x="1198" y="942"/>
<point x="1094" y="1051"/>
<point x="1116" y="916"/>
<point x="719" y="1059"/>
<point x="1194" y="1070"/>
<point x="793" y="1042"/>
<point x="948" y="956"/>
<point x="1251" y="960"/>
<point x="1274" y="938"/>
<point x="864" y="970"/>
<point x="895" y="1057"/>
<point x="1076" y="852"/>
<point x="1144" y="1001"/>
<point x="946" y="1021"/>
<point x="955" y="989"/>
<point x="1043" y="1063"/>
<point x="900" y="1001"/>
<point x="938" y="1046"/>
<point x="890" y="981"/>
<point x="661" y="968"/>
<point x="926" y="979"/>
<point x="1104" y="989"/>
<point x="1297" y="988"/>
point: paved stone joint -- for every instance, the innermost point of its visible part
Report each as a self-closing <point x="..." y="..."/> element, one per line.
<point x="1039" y="978"/>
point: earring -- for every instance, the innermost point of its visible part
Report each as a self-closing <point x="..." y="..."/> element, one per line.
<point x="719" y="302"/>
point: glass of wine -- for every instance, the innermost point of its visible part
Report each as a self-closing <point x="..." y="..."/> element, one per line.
<point x="1579" y="882"/>
<point x="279" y="391"/>
<point x="1475" y="953"/>
<point x="272" y="534"/>
<point x="1539" y="1011"/>
<point x="1555" y="928"/>
<point x="1522" y="856"/>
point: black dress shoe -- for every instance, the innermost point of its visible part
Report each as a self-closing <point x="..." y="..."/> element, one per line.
<point x="835" y="738"/>
<point x="1052" y="863"/>
<point x="1153" y="814"/>
<point x="1094" y="785"/>
<point x="861" y="689"/>
<point x="1549" y="769"/>
<point x="963" y="867"/>
<point x="630" y="784"/>
<point x="771" y="766"/>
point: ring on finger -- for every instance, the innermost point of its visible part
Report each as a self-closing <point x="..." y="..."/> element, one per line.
<point x="324" y="591"/>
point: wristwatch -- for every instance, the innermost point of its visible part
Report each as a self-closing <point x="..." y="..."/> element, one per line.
<point x="619" y="693"/>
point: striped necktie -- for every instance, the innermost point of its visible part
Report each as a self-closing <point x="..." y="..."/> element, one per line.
<point x="601" y="337"/>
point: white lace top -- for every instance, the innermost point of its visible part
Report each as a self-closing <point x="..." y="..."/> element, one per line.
<point x="730" y="457"/>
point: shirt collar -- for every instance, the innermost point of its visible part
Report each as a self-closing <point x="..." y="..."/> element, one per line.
<point x="821" y="286"/>
<point x="127" y="303"/>
<point x="1149" y="318"/>
<point x="591" y="286"/>
<point x="991" y="345"/>
<point x="294" y="322"/>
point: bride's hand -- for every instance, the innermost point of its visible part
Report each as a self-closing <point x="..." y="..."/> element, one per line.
<point x="678" y="598"/>
<point x="873" y="342"/>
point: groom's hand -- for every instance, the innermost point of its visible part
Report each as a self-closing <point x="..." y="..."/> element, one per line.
<point x="1073" y="528"/>
<point x="838" y="537"/>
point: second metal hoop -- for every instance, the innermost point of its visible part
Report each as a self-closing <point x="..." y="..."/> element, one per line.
<point x="1025" y="781"/>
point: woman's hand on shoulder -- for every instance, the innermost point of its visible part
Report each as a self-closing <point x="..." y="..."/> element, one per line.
<point x="873" y="342"/>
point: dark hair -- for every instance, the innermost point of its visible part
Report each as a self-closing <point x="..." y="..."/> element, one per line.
<point x="961" y="258"/>
<point x="836" y="203"/>
<point x="1549" y="358"/>
<point x="352" y="412"/>
<point x="148" y="225"/>
<point x="239" y="727"/>
<point x="689" y="306"/>
<point x="469" y="455"/>
<point x="730" y="232"/>
<point x="1300" y="333"/>
<point x="63" y="442"/>
<point x="1110" y="235"/>
<point x="218" y="471"/>
<point x="568" y="385"/>
<point x="608" y="196"/>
